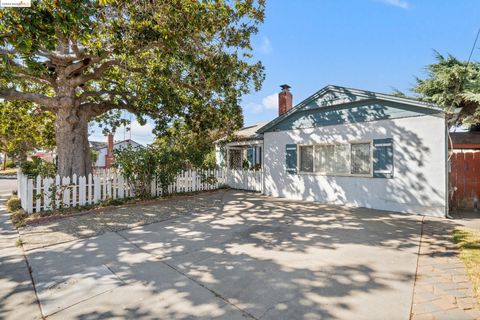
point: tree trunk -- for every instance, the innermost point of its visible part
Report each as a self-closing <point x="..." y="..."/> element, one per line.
<point x="73" y="149"/>
<point x="4" y="161"/>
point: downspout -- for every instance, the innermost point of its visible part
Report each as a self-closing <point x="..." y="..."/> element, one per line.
<point x="447" y="162"/>
<point x="448" y="140"/>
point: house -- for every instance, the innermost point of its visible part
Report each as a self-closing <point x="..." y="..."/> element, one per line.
<point x="244" y="149"/>
<point x="359" y="148"/>
<point x="464" y="173"/>
<point x="105" y="150"/>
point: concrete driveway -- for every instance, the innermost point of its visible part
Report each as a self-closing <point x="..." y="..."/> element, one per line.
<point x="249" y="257"/>
<point x="7" y="186"/>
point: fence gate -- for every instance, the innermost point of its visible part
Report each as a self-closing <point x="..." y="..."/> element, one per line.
<point x="251" y="180"/>
<point x="464" y="178"/>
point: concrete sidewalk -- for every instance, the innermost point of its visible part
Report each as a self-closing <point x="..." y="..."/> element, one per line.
<point x="17" y="295"/>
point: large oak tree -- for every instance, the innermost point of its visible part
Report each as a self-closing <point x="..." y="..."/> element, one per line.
<point x="166" y="59"/>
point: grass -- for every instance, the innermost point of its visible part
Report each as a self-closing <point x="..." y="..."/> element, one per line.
<point x="8" y="172"/>
<point x="19" y="242"/>
<point x="468" y="241"/>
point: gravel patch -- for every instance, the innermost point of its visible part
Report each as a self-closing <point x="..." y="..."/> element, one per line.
<point x="69" y="228"/>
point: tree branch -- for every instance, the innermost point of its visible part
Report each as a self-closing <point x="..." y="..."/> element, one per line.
<point x="97" y="73"/>
<point x="77" y="66"/>
<point x="4" y="51"/>
<point x="12" y="94"/>
<point x="35" y="79"/>
<point x="99" y="93"/>
<point x="95" y="109"/>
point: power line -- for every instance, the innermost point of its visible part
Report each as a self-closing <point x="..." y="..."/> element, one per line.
<point x="473" y="47"/>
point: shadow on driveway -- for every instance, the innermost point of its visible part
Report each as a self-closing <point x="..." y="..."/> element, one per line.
<point x="241" y="256"/>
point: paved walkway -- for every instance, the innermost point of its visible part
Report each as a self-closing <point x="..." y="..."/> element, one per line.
<point x="442" y="288"/>
<point x="17" y="296"/>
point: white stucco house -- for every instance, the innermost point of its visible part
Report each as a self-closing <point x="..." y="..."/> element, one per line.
<point x="355" y="147"/>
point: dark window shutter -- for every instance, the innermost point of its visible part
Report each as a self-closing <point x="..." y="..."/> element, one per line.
<point x="291" y="158"/>
<point x="383" y="158"/>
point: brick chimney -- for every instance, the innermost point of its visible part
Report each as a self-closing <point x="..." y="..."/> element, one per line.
<point x="109" y="156"/>
<point x="284" y="99"/>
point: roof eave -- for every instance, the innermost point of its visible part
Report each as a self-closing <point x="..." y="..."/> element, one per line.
<point x="367" y="94"/>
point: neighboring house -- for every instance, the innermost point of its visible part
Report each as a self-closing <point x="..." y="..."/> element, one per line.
<point x="105" y="150"/>
<point x="359" y="148"/>
<point x="45" y="155"/>
<point x="464" y="175"/>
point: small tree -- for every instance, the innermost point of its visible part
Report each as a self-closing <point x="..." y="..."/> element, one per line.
<point x="194" y="147"/>
<point x="452" y="84"/>
<point x="138" y="166"/>
<point x="23" y="128"/>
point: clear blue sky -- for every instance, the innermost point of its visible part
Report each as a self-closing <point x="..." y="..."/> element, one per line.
<point x="375" y="45"/>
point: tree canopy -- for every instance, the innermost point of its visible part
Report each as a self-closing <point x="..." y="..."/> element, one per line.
<point x="167" y="59"/>
<point x="24" y="127"/>
<point x="451" y="84"/>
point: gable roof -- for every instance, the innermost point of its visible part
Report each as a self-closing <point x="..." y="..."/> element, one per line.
<point x="332" y="95"/>
<point x="247" y="133"/>
<point x="97" y="145"/>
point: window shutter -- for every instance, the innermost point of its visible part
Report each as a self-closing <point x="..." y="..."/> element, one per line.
<point x="383" y="158"/>
<point x="291" y="158"/>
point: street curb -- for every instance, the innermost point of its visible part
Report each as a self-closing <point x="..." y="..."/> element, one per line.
<point x="9" y="177"/>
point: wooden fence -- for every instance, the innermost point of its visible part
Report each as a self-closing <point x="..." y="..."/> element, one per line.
<point x="464" y="179"/>
<point x="45" y="194"/>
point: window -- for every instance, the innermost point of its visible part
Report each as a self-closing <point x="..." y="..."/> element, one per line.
<point x="324" y="155"/>
<point x="361" y="158"/>
<point x="343" y="159"/>
<point x="306" y="158"/>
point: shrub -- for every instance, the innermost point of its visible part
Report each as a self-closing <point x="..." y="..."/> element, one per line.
<point x="38" y="167"/>
<point x="140" y="166"/>
<point x="18" y="217"/>
<point x="10" y="164"/>
<point x="245" y="164"/>
<point x="13" y="204"/>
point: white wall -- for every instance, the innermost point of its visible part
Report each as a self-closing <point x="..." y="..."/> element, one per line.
<point x="102" y="153"/>
<point x="101" y="157"/>
<point x="220" y="155"/>
<point x="419" y="179"/>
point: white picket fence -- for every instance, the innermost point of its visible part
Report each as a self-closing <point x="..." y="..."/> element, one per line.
<point x="45" y="194"/>
<point x="245" y="179"/>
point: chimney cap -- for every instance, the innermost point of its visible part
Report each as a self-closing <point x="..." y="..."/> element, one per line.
<point x="285" y="87"/>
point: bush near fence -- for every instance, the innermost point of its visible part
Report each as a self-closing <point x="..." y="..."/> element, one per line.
<point x="46" y="194"/>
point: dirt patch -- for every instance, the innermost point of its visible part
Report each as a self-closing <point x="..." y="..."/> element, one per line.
<point x="58" y="229"/>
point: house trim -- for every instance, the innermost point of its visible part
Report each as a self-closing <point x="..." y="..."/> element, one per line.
<point x="357" y="96"/>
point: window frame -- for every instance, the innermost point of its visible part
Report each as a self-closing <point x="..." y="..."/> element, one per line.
<point x="350" y="174"/>
<point x="299" y="156"/>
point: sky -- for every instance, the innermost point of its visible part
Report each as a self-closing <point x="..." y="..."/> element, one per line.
<point x="375" y="45"/>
